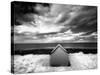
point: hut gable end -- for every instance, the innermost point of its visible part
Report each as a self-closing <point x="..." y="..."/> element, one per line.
<point x="59" y="57"/>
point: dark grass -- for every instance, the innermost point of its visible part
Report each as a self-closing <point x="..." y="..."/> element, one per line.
<point x="46" y="48"/>
<point x="53" y="45"/>
<point x="48" y="51"/>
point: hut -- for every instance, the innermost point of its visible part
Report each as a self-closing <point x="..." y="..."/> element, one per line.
<point x="59" y="57"/>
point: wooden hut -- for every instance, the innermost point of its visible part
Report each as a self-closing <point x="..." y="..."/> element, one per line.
<point x="59" y="57"/>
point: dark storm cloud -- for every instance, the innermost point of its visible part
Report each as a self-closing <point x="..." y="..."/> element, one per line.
<point x="21" y="11"/>
<point x="86" y="21"/>
<point x="77" y="18"/>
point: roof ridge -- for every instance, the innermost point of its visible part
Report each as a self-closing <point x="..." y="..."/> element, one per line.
<point x="59" y="45"/>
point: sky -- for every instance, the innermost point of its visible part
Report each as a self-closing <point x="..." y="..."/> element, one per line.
<point x="53" y="23"/>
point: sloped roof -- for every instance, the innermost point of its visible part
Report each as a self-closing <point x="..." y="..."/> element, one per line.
<point x="58" y="46"/>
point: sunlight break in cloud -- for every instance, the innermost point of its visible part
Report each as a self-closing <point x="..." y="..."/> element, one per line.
<point x="41" y="26"/>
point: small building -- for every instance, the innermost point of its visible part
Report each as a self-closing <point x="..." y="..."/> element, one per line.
<point x="59" y="57"/>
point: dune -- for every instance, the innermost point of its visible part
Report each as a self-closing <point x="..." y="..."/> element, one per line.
<point x="40" y="63"/>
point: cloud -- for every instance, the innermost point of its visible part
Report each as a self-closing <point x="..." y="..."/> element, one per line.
<point x="40" y="28"/>
<point x="88" y="38"/>
<point x="86" y="21"/>
<point x="68" y="36"/>
<point x="64" y="23"/>
<point x="65" y="37"/>
<point x="47" y="24"/>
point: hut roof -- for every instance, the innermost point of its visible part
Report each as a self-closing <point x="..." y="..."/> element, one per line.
<point x="58" y="46"/>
